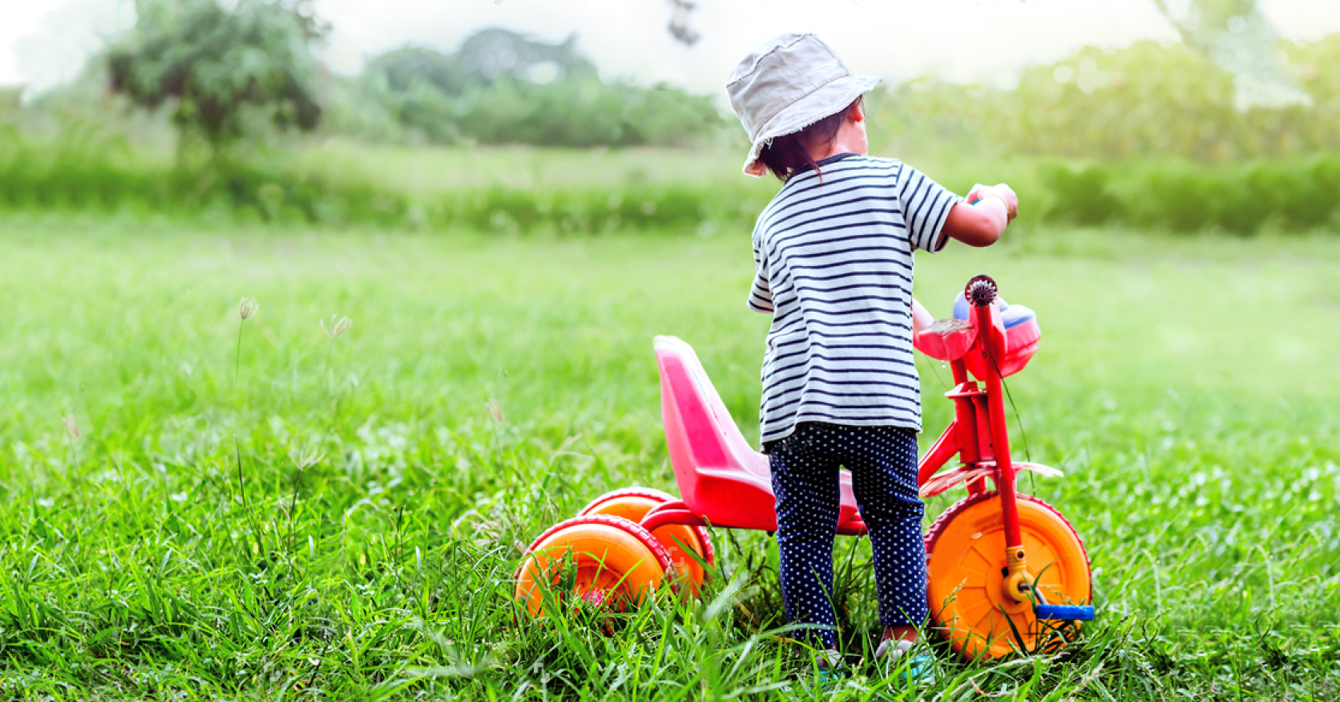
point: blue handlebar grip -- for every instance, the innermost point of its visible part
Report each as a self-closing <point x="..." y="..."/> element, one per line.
<point x="1083" y="613"/>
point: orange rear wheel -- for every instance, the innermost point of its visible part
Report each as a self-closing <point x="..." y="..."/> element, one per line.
<point x="609" y="560"/>
<point x="965" y="560"/>
<point x="634" y="503"/>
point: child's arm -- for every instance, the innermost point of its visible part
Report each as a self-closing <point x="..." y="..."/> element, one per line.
<point x="922" y="319"/>
<point x="982" y="222"/>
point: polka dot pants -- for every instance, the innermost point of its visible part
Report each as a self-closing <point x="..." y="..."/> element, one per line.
<point x="883" y="464"/>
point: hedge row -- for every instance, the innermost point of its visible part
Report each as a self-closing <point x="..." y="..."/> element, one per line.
<point x="1180" y="197"/>
<point x="101" y="180"/>
<point x="1298" y="194"/>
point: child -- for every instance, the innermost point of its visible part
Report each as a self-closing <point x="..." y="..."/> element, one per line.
<point x="834" y="257"/>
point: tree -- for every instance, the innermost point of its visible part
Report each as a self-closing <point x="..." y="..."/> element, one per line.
<point x="216" y="64"/>
<point x="496" y="54"/>
<point x="502" y="87"/>
<point x="1238" y="38"/>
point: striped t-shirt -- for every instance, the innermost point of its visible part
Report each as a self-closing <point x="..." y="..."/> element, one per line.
<point x="834" y="258"/>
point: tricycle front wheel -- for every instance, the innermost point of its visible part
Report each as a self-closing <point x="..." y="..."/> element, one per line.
<point x="965" y="564"/>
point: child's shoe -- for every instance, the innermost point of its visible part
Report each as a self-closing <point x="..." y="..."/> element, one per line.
<point x="828" y="679"/>
<point x="890" y="650"/>
<point x="831" y="670"/>
<point x="920" y="670"/>
<point x="920" y="667"/>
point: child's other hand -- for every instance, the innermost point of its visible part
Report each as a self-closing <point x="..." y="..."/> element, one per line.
<point x="1000" y="190"/>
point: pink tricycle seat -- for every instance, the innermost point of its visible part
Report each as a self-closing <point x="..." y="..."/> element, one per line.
<point x="721" y="478"/>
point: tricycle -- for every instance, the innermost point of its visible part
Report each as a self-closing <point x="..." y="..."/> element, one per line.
<point x="1006" y="571"/>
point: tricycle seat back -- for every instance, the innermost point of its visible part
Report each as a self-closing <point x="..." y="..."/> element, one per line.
<point x="721" y="477"/>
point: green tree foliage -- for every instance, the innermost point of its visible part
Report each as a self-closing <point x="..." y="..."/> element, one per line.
<point x="1238" y="38"/>
<point x="214" y="64"/>
<point x="1147" y="99"/>
<point x="501" y="87"/>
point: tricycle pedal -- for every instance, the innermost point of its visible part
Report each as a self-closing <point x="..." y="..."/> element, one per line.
<point x="1083" y="613"/>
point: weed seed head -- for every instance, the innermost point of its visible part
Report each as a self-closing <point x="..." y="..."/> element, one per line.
<point x="309" y="457"/>
<point x="495" y="409"/>
<point x="71" y="424"/>
<point x="338" y="326"/>
<point x="247" y="308"/>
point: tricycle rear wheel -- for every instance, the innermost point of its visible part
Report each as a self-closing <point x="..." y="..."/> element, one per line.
<point x="678" y="539"/>
<point x="609" y="561"/>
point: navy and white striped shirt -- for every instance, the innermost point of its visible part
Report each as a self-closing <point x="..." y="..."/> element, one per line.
<point x="834" y="265"/>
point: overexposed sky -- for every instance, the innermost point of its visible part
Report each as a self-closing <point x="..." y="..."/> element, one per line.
<point x="45" y="42"/>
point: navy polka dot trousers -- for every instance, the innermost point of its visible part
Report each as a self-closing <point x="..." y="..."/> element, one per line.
<point x="883" y="464"/>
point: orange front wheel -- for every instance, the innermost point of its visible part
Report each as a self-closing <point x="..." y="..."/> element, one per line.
<point x="608" y="560"/>
<point x="678" y="539"/>
<point x="965" y="564"/>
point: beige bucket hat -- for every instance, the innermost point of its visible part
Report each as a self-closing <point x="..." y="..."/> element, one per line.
<point x="789" y="83"/>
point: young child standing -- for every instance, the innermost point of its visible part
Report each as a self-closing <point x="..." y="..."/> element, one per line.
<point x="833" y="252"/>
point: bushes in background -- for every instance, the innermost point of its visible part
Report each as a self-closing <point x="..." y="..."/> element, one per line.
<point x="85" y="174"/>
<point x="79" y="174"/>
<point x="1080" y="196"/>
<point x="1291" y="194"/>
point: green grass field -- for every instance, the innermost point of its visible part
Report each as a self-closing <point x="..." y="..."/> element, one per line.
<point x="282" y="515"/>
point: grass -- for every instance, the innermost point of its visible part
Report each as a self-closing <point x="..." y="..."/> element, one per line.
<point x="341" y="520"/>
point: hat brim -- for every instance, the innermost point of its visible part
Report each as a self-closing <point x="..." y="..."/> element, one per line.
<point x="827" y="100"/>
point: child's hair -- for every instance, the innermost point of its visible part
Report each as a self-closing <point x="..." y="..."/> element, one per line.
<point x="787" y="154"/>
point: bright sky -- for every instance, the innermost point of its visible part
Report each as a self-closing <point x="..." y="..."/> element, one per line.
<point x="45" y="42"/>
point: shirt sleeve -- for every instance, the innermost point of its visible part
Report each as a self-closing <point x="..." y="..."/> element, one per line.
<point x="760" y="293"/>
<point x="926" y="206"/>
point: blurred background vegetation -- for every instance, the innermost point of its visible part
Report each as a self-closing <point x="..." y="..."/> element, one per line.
<point x="224" y="113"/>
